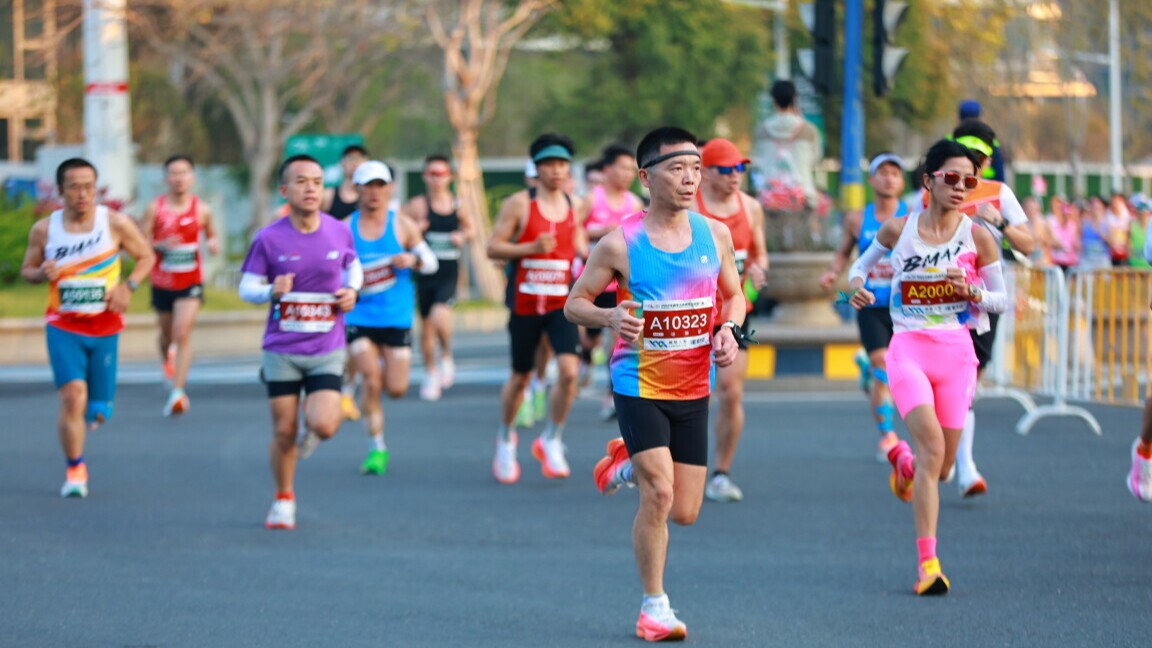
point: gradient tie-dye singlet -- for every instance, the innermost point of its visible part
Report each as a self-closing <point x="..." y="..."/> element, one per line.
<point x="672" y="360"/>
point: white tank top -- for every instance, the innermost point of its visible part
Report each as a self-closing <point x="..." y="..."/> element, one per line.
<point x="922" y="298"/>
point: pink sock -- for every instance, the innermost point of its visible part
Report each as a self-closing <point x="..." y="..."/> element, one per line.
<point x="926" y="547"/>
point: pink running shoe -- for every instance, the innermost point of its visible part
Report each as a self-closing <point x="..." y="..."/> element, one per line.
<point x="659" y="623"/>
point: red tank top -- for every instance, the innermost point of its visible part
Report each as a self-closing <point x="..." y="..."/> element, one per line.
<point x="542" y="281"/>
<point x="177" y="266"/>
<point x="741" y="231"/>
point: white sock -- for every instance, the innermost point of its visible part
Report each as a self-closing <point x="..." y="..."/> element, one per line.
<point x="552" y="431"/>
<point x="505" y="432"/>
<point x="376" y="442"/>
<point x="654" y="600"/>
<point x="965" y="465"/>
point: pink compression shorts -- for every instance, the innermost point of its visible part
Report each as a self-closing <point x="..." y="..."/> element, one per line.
<point x="935" y="368"/>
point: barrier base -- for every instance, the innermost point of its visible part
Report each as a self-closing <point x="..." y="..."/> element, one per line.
<point x="1020" y="396"/>
<point x="1024" y="426"/>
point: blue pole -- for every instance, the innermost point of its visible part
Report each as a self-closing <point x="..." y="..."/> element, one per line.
<point x="852" y="119"/>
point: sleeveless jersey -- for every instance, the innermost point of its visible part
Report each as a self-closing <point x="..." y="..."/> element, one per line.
<point x="89" y="264"/>
<point x="672" y="359"/>
<point x="388" y="298"/>
<point x="603" y="214"/>
<point x="439" y="238"/>
<point x="879" y="281"/>
<point x="339" y="208"/>
<point x="741" y="231"/>
<point x="177" y="267"/>
<point x="922" y="298"/>
<point x="542" y="281"/>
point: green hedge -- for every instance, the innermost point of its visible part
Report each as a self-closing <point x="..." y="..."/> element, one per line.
<point x="15" y="222"/>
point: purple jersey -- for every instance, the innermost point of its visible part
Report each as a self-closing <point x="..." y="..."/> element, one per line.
<point x="305" y="321"/>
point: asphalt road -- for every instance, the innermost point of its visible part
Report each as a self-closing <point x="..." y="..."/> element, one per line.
<point x="169" y="550"/>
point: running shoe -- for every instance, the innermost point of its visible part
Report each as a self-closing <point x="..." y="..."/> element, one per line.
<point x="584" y="376"/>
<point x="887" y="442"/>
<point x="901" y="486"/>
<point x="606" y="474"/>
<point x="348" y="407"/>
<point x="75" y="482"/>
<point x="721" y="488"/>
<point x="282" y="515"/>
<point x="447" y="373"/>
<point x="658" y="622"/>
<point x="376" y="463"/>
<point x="177" y="404"/>
<point x="865" y="367"/>
<point x="599" y="357"/>
<point x="932" y="581"/>
<point x="307" y="442"/>
<point x="972" y="487"/>
<point x="608" y="409"/>
<point x="430" y="389"/>
<point x="505" y="466"/>
<point x="540" y="403"/>
<point x="1140" y="477"/>
<point x="524" y="416"/>
<point x="170" y="364"/>
<point x="550" y="454"/>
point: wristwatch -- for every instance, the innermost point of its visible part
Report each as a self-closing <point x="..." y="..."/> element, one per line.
<point x="132" y="284"/>
<point x="973" y="292"/>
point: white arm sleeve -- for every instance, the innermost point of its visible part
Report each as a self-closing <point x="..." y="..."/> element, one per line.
<point x="429" y="264"/>
<point x="255" y="289"/>
<point x="865" y="262"/>
<point x="1010" y="207"/>
<point x="995" y="299"/>
<point x="353" y="275"/>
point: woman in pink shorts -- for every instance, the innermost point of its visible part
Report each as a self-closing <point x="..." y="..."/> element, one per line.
<point x="947" y="277"/>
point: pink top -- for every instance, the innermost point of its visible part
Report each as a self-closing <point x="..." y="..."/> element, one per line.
<point x="1068" y="238"/>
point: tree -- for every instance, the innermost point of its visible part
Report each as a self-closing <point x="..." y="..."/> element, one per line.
<point x="477" y="37"/>
<point x="274" y="64"/>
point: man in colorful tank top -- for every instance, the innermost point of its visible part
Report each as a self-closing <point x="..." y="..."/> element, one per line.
<point x="886" y="175"/>
<point x="447" y="227"/>
<point x="77" y="251"/>
<point x="721" y="199"/>
<point x="173" y="223"/>
<point x="305" y="267"/>
<point x="389" y="247"/>
<point x="670" y="264"/>
<point x="606" y="205"/>
<point x="537" y="230"/>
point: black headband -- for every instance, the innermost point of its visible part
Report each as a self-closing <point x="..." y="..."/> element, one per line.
<point x="668" y="156"/>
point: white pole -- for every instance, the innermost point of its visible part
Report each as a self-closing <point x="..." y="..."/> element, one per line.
<point x="780" y="35"/>
<point x="107" y="114"/>
<point x="1117" y="129"/>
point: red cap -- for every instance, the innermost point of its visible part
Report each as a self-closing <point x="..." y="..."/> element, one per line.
<point x="721" y="152"/>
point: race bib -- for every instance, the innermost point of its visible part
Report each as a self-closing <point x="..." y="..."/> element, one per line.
<point x="547" y="277"/>
<point x="82" y="296"/>
<point x="179" y="258"/>
<point x="677" y="324"/>
<point x="307" y="312"/>
<point x="442" y="246"/>
<point x="929" y="293"/>
<point x="741" y="261"/>
<point x="379" y="276"/>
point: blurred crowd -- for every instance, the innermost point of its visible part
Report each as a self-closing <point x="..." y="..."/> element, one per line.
<point x="1089" y="233"/>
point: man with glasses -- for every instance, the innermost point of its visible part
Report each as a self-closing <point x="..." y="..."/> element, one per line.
<point x="993" y="205"/>
<point x="447" y="227"/>
<point x="886" y="175"/>
<point x="721" y="199"/>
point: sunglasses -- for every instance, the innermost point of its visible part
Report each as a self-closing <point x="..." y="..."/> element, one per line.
<point x="729" y="170"/>
<point x="952" y="178"/>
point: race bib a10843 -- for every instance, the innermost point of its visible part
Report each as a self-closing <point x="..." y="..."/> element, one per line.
<point x="302" y="312"/>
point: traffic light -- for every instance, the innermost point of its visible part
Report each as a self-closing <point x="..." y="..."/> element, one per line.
<point x="886" y="59"/>
<point x="819" y="63"/>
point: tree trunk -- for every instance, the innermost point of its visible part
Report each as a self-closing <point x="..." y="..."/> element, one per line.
<point x="470" y="187"/>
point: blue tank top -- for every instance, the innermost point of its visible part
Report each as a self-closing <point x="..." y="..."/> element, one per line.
<point x="388" y="297"/>
<point x="677" y="291"/>
<point x="879" y="281"/>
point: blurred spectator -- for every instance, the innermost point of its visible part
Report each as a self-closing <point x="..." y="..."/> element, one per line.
<point x="1095" y="251"/>
<point x="786" y="151"/>
<point x="1138" y="231"/>
<point x="1119" y="220"/>
<point x="1041" y="256"/>
<point x="971" y="109"/>
<point x="1065" y="227"/>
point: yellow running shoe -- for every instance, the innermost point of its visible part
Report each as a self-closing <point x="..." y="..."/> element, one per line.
<point x="932" y="581"/>
<point x="348" y="407"/>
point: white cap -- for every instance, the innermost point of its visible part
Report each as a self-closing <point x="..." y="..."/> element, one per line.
<point x="885" y="158"/>
<point x="530" y="169"/>
<point x="372" y="170"/>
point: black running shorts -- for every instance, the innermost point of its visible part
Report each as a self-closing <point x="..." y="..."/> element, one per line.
<point x="164" y="301"/>
<point x="680" y="426"/>
<point x="983" y="342"/>
<point x="525" y="332"/>
<point x="875" y="326"/>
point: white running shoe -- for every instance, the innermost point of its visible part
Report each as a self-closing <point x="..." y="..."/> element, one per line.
<point x="282" y="515"/>
<point x="447" y="373"/>
<point x="722" y="489"/>
<point x="430" y="390"/>
<point x="75" y="482"/>
<point x="505" y="466"/>
<point x="607" y="409"/>
<point x="972" y="484"/>
<point x="550" y="453"/>
<point x="307" y="443"/>
<point x="177" y="404"/>
<point x="1140" y="477"/>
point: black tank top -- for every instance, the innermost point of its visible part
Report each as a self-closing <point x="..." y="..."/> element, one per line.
<point x="341" y="209"/>
<point x="438" y="236"/>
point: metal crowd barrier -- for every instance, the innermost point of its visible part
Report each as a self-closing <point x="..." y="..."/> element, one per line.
<point x="1110" y="326"/>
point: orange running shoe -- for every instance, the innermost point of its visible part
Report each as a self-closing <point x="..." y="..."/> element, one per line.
<point x="932" y="581"/>
<point x="607" y="470"/>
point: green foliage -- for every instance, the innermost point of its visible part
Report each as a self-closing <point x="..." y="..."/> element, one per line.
<point x="683" y="62"/>
<point x="496" y="197"/>
<point x="15" y="222"/>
